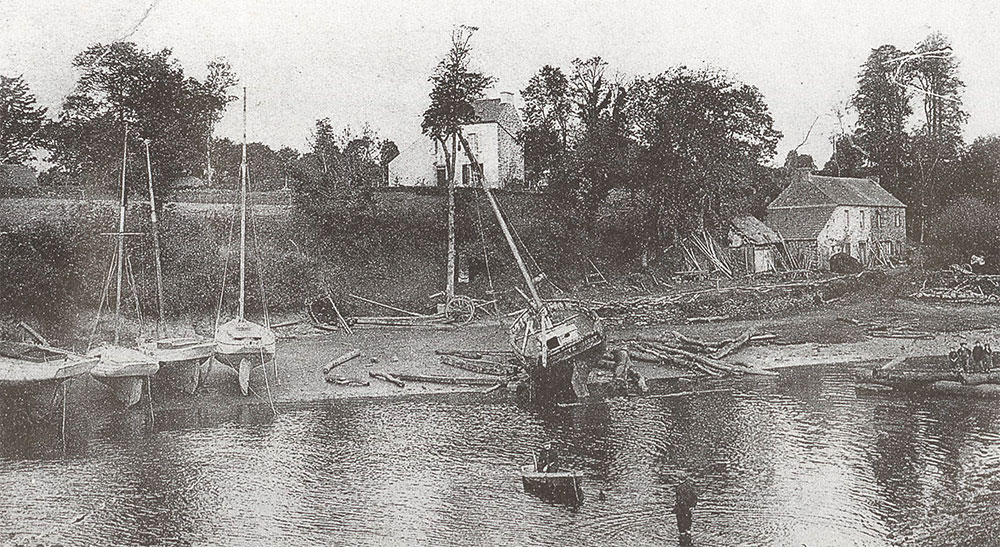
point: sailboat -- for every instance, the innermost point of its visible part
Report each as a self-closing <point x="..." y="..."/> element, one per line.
<point x="239" y="343"/>
<point x="125" y="370"/>
<point x="185" y="361"/>
<point x="557" y="342"/>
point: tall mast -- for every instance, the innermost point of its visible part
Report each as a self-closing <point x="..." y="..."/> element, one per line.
<point x="243" y="212"/>
<point x="120" y="250"/>
<point x="156" y="244"/>
<point x="536" y="300"/>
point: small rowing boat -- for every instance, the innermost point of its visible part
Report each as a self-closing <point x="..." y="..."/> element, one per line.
<point x="560" y="486"/>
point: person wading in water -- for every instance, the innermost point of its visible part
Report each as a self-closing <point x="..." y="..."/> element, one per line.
<point x="686" y="499"/>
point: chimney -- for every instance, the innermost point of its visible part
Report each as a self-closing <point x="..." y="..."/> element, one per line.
<point x="507" y="97"/>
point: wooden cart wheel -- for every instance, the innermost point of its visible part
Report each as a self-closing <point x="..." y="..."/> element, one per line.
<point x="460" y="309"/>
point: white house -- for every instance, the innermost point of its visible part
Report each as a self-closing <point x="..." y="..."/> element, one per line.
<point x="493" y="140"/>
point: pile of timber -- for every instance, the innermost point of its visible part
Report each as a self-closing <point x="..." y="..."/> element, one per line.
<point x="902" y="330"/>
<point x="664" y="302"/>
<point x="324" y="320"/>
<point x="957" y="285"/>
<point x="702" y="357"/>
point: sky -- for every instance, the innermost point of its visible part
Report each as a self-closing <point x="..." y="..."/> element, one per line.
<point x="369" y="62"/>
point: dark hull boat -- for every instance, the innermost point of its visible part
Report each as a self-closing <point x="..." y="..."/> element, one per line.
<point x="574" y="342"/>
<point x="560" y="487"/>
<point x="184" y="361"/>
<point x="983" y="384"/>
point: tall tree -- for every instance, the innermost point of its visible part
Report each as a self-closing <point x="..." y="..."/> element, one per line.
<point x="21" y="121"/>
<point x="938" y="142"/>
<point x="882" y="102"/>
<point x="454" y="89"/>
<point x="704" y="140"/>
<point x="547" y="113"/>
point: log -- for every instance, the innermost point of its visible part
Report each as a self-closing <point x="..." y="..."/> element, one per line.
<point x="687" y="363"/>
<point x="707" y="319"/>
<point x="913" y="377"/>
<point x="481" y="366"/>
<point x="342" y="381"/>
<point x="388" y="378"/>
<point x="688" y="393"/>
<point x="492" y="389"/>
<point x="387" y="306"/>
<point x="475" y="353"/>
<point x="979" y="378"/>
<point x="734" y="345"/>
<point x="353" y="354"/>
<point x="286" y="324"/>
<point x="452" y="380"/>
<point x="34" y="334"/>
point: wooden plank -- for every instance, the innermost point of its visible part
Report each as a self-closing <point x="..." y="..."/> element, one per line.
<point x="353" y="354"/>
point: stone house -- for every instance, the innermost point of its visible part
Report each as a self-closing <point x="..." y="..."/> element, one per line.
<point x="818" y="217"/>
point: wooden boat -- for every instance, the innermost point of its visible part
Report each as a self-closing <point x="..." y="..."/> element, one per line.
<point x="562" y="486"/>
<point x="935" y="383"/>
<point x="241" y="344"/>
<point x="557" y="342"/>
<point x="124" y="370"/>
<point x="184" y="362"/>
<point x="30" y="374"/>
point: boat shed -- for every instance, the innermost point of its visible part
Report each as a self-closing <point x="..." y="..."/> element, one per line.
<point x="754" y="247"/>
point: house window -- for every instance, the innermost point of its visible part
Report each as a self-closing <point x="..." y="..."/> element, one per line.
<point x="442" y="175"/>
<point x="473" y="140"/>
<point x="898" y="219"/>
<point x="471" y="176"/>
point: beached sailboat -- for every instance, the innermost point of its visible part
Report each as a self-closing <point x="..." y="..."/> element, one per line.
<point x="241" y="344"/>
<point x="31" y="374"/>
<point x="124" y="370"/>
<point x="185" y="361"/>
<point x="557" y="342"/>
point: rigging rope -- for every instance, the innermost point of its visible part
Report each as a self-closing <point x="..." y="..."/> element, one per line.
<point x="486" y="259"/>
<point x="104" y="297"/>
<point x="225" y="268"/>
<point x="257" y="260"/>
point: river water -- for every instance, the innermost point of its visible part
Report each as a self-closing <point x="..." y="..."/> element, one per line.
<point x="802" y="459"/>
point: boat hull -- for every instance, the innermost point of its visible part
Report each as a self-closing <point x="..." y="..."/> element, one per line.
<point x="562" y="487"/>
<point x="184" y="362"/>
<point x="562" y="374"/>
<point x="124" y="371"/>
<point x="957" y="384"/>
<point x="244" y="346"/>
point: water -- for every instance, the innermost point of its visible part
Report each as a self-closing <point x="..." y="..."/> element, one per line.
<point x="801" y="459"/>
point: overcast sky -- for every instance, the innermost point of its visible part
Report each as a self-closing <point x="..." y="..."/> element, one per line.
<point x="307" y="59"/>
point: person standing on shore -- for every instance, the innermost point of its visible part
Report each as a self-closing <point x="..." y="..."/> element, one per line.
<point x="978" y="354"/>
<point x="686" y="499"/>
<point x="964" y="356"/>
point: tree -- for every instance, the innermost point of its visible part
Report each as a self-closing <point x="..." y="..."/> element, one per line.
<point x="545" y="137"/>
<point x="880" y="144"/>
<point x="979" y="170"/>
<point x="20" y="121"/>
<point x="121" y="85"/>
<point x="455" y="88"/>
<point x="704" y="140"/>
<point x="848" y="158"/>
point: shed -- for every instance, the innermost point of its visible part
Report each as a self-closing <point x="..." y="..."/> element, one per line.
<point x="754" y="247"/>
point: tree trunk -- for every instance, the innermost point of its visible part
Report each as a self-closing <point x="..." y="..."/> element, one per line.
<point x="451" y="169"/>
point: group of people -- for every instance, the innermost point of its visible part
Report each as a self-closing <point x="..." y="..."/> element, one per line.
<point x="977" y="359"/>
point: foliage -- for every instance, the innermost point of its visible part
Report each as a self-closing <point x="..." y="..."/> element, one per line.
<point x="967" y="226"/>
<point x="547" y="113"/>
<point x="121" y="85"/>
<point x="20" y="121"/>
<point x="703" y="140"/>
<point x="454" y="90"/>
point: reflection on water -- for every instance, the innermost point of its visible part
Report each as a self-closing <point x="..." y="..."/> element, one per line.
<point x="801" y="459"/>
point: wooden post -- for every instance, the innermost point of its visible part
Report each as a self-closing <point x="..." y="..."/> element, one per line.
<point x="156" y="245"/>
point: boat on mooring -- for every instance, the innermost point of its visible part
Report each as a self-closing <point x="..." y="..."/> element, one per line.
<point x="558" y="486"/>
<point x="929" y="381"/>
<point x="123" y="369"/>
<point x="241" y="344"/>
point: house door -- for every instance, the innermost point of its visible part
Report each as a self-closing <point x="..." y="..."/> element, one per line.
<point x="763" y="260"/>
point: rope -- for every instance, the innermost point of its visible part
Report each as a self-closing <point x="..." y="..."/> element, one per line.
<point x="225" y="268"/>
<point x="104" y="297"/>
<point x="257" y="260"/>
<point x="130" y="275"/>
<point x="486" y="258"/>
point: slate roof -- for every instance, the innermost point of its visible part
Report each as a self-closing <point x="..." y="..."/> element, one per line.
<point x="754" y="231"/>
<point x="496" y="111"/>
<point x="800" y="222"/>
<point x="832" y="191"/>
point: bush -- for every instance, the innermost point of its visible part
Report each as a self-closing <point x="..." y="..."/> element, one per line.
<point x="967" y="226"/>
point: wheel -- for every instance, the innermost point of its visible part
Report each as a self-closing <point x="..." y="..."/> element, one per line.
<point x="460" y="309"/>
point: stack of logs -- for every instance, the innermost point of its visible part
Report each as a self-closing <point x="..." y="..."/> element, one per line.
<point x="955" y="285"/>
<point x="701" y="357"/>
